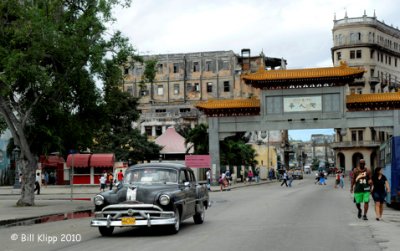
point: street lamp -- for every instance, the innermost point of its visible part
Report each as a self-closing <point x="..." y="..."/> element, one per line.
<point x="16" y="153"/>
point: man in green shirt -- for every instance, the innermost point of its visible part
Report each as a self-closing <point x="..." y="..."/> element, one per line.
<point x="361" y="185"/>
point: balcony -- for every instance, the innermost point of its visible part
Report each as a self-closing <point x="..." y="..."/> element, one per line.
<point x="352" y="144"/>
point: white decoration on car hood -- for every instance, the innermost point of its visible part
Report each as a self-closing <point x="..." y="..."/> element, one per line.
<point x="131" y="194"/>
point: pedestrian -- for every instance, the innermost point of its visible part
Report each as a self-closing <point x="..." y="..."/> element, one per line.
<point x="337" y="179"/>
<point x="361" y="185"/>
<point x="111" y="180"/>
<point x="222" y="181"/>
<point x="322" y="178"/>
<point x="38" y="180"/>
<point x="341" y="181"/>
<point x="102" y="183"/>
<point x="46" y="178"/>
<point x="380" y="188"/>
<point x="284" y="178"/>
<point x="228" y="176"/>
<point x="257" y="174"/>
<point x="250" y="175"/>
<point x="290" y="177"/>
<point x="316" y="178"/>
<point x="120" y="176"/>
<point x="208" y="176"/>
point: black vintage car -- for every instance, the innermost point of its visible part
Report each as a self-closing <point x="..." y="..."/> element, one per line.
<point x="153" y="194"/>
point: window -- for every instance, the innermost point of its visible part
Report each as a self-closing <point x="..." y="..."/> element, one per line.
<point x="372" y="54"/>
<point x="176" y="89"/>
<point x="208" y="66"/>
<point x="373" y="134"/>
<point x="129" y="89"/>
<point x="189" y="87"/>
<point x="126" y="71"/>
<point x="209" y="87"/>
<point x="225" y="65"/>
<point x="352" y="54"/>
<point x="182" y="110"/>
<point x="182" y="177"/>
<point x="358" y="54"/>
<point x="196" y="87"/>
<point x="148" y="130"/>
<point x="359" y="91"/>
<point x="338" y="56"/>
<point x="160" y="68"/>
<point x="158" y="130"/>
<point x="176" y="67"/>
<point x="395" y="62"/>
<point x="390" y="60"/>
<point x="161" y="110"/>
<point x="196" y="67"/>
<point x="354" y="136"/>
<point x="360" y="135"/>
<point x="226" y="86"/>
<point x="160" y="90"/>
<point x="143" y="92"/>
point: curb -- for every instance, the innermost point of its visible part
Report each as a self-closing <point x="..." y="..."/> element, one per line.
<point x="46" y="218"/>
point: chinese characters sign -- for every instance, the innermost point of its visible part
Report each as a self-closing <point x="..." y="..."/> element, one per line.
<point x="302" y="104"/>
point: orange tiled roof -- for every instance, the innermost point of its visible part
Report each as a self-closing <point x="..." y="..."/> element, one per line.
<point x="339" y="71"/>
<point x="373" y="97"/>
<point x="229" y="104"/>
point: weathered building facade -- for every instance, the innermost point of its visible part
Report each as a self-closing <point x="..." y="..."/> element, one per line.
<point x="184" y="79"/>
<point x="375" y="46"/>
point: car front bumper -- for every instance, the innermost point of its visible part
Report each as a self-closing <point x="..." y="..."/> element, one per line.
<point x="131" y="216"/>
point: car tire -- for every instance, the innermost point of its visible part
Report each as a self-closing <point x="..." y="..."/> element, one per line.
<point x="174" y="229"/>
<point x="106" y="231"/>
<point x="199" y="216"/>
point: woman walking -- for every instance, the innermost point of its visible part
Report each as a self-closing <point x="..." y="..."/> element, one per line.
<point x="380" y="188"/>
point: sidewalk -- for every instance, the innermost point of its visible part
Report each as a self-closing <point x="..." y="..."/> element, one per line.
<point x="54" y="203"/>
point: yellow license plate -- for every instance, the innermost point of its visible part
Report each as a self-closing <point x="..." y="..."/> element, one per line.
<point x="128" y="221"/>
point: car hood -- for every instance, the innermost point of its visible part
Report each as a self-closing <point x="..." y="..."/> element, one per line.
<point x="148" y="193"/>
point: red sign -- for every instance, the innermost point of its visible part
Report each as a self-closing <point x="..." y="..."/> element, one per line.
<point x="198" y="161"/>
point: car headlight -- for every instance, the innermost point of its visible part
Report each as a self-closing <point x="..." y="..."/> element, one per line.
<point x="98" y="200"/>
<point x="164" y="199"/>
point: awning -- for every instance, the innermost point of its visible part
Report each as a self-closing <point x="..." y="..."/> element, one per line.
<point x="51" y="160"/>
<point x="102" y="160"/>
<point x="78" y="160"/>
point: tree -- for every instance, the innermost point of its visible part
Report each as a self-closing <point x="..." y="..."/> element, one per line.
<point x="149" y="75"/>
<point x="118" y="134"/>
<point x="198" y="136"/>
<point x="51" y="55"/>
<point x="235" y="151"/>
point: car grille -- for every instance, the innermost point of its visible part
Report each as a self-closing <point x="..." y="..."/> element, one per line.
<point x="139" y="211"/>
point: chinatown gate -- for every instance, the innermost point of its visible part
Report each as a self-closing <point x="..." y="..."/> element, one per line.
<point x="312" y="98"/>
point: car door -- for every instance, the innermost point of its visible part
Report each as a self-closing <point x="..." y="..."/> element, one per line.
<point x="191" y="193"/>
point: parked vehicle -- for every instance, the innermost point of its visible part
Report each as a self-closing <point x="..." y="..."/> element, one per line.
<point x="390" y="151"/>
<point x="297" y="174"/>
<point x="153" y="194"/>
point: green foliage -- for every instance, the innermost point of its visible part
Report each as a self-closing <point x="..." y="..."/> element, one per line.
<point x="53" y="56"/>
<point x="198" y="136"/>
<point x="234" y="151"/>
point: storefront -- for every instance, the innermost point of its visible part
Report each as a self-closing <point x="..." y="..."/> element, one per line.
<point x="88" y="168"/>
<point x="52" y="169"/>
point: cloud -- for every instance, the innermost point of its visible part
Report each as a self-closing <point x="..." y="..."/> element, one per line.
<point x="299" y="31"/>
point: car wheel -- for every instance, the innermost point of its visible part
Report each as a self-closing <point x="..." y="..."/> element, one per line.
<point x="173" y="229"/>
<point x="199" y="216"/>
<point x="106" y="231"/>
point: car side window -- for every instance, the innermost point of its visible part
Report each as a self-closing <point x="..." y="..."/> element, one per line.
<point x="182" y="177"/>
<point x="192" y="178"/>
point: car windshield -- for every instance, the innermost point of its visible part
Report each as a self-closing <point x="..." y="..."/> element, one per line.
<point x="151" y="176"/>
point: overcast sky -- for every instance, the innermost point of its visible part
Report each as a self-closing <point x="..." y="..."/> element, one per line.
<point x="299" y="31"/>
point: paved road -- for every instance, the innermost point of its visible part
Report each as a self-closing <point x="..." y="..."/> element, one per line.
<point x="265" y="217"/>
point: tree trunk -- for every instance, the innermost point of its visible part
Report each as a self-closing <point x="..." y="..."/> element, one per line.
<point x="28" y="184"/>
